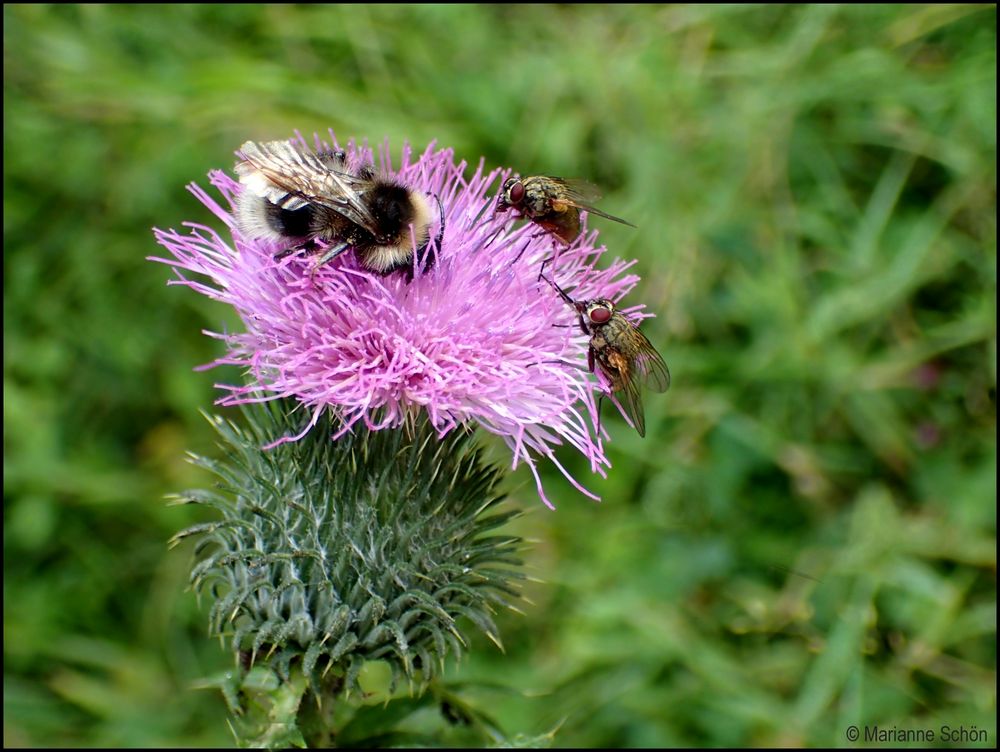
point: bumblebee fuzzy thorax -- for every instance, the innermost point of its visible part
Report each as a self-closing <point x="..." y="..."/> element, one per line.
<point x="396" y="210"/>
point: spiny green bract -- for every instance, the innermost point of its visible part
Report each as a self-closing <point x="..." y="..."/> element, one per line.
<point x="333" y="553"/>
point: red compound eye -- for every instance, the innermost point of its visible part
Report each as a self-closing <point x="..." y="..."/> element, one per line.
<point x="600" y="315"/>
<point x="517" y="192"/>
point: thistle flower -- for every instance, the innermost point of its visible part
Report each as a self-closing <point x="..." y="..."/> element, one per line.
<point x="476" y="339"/>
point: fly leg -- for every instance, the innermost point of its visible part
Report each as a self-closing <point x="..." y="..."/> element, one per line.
<point x="590" y="364"/>
<point x="552" y="258"/>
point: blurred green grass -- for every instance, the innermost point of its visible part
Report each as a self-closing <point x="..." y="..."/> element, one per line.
<point x="806" y="537"/>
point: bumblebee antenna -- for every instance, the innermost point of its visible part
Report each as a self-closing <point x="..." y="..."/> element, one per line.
<point x="423" y="257"/>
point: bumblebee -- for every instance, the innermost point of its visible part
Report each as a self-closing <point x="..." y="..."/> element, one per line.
<point x="299" y="196"/>
<point x="622" y="353"/>
<point x="554" y="204"/>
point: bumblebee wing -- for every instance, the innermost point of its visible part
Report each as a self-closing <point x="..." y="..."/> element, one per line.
<point x="583" y="194"/>
<point x="627" y="390"/>
<point x="290" y="178"/>
<point x="254" y="173"/>
<point x="343" y="195"/>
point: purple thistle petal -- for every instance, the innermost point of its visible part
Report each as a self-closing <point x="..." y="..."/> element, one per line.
<point x="472" y="339"/>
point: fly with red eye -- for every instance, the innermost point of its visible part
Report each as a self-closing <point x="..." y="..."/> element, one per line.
<point x="554" y="204"/>
<point x="516" y="193"/>
<point x="622" y="353"/>
<point x="600" y="315"/>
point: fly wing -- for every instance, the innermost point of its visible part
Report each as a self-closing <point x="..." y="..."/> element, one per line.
<point x="631" y="403"/>
<point x="578" y="189"/>
<point x="618" y="370"/>
<point x="626" y="389"/>
<point x="649" y="366"/>
<point x="583" y="194"/>
<point x="292" y="178"/>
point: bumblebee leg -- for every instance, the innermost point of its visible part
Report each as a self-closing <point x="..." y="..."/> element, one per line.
<point x="332" y="252"/>
<point x="307" y="247"/>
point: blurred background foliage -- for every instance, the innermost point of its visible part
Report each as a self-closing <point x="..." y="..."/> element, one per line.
<point x="805" y="539"/>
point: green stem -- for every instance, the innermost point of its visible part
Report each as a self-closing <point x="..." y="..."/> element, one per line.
<point x="315" y="718"/>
